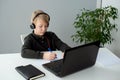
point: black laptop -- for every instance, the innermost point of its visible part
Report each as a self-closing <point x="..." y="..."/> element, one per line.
<point x="75" y="59"/>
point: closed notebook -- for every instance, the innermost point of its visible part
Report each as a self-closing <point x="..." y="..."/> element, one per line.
<point x="29" y="72"/>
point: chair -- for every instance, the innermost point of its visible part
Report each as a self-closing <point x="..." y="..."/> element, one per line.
<point x="22" y="36"/>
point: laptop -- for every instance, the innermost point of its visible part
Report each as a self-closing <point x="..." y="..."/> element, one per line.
<point x="75" y="59"/>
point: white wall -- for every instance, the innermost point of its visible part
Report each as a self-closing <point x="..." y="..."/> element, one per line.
<point x="15" y="19"/>
<point x="115" y="46"/>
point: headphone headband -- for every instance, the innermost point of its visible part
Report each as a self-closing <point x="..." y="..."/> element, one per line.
<point x="32" y="26"/>
<point x="40" y="14"/>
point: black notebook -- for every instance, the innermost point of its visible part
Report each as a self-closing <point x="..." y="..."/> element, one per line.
<point x="29" y="72"/>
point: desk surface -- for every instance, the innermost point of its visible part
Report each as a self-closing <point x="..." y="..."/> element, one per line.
<point x="100" y="71"/>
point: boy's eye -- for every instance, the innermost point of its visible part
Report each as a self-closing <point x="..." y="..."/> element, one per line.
<point x="40" y="26"/>
<point x="46" y="26"/>
<point x="43" y="26"/>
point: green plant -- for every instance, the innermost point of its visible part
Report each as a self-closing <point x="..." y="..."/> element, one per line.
<point x="93" y="25"/>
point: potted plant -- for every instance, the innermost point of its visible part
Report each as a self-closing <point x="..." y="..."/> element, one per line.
<point x="93" y="25"/>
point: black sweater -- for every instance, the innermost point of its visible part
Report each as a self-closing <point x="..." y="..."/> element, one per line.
<point x="34" y="44"/>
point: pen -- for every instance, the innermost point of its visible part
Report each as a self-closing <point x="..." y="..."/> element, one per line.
<point x="49" y="50"/>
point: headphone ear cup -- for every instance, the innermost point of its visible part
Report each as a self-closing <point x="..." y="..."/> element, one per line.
<point x="32" y="26"/>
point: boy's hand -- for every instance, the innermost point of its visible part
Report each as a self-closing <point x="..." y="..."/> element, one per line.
<point x="49" y="55"/>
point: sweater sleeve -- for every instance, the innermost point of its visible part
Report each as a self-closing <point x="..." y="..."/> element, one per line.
<point x="28" y="52"/>
<point x="60" y="45"/>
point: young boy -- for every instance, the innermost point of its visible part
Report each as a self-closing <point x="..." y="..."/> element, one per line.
<point x="40" y="42"/>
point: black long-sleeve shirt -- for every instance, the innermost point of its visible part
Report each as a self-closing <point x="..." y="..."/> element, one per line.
<point x="34" y="45"/>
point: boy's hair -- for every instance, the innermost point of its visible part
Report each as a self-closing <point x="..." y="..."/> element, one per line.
<point x="39" y="14"/>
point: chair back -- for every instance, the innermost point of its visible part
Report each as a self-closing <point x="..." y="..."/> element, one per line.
<point x="22" y="36"/>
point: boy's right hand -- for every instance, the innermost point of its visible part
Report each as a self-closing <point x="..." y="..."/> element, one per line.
<point x="49" y="55"/>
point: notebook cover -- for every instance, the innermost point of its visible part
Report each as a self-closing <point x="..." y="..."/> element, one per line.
<point x="29" y="72"/>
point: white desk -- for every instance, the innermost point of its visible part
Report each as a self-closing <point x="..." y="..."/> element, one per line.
<point x="100" y="71"/>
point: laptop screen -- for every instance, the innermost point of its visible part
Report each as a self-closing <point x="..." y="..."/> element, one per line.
<point x="80" y="57"/>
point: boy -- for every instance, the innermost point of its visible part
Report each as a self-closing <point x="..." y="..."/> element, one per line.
<point x="40" y="42"/>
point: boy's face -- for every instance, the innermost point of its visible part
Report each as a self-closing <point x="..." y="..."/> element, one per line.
<point x="40" y="27"/>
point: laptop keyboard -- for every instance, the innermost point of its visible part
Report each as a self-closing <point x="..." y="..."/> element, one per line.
<point x="55" y="65"/>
